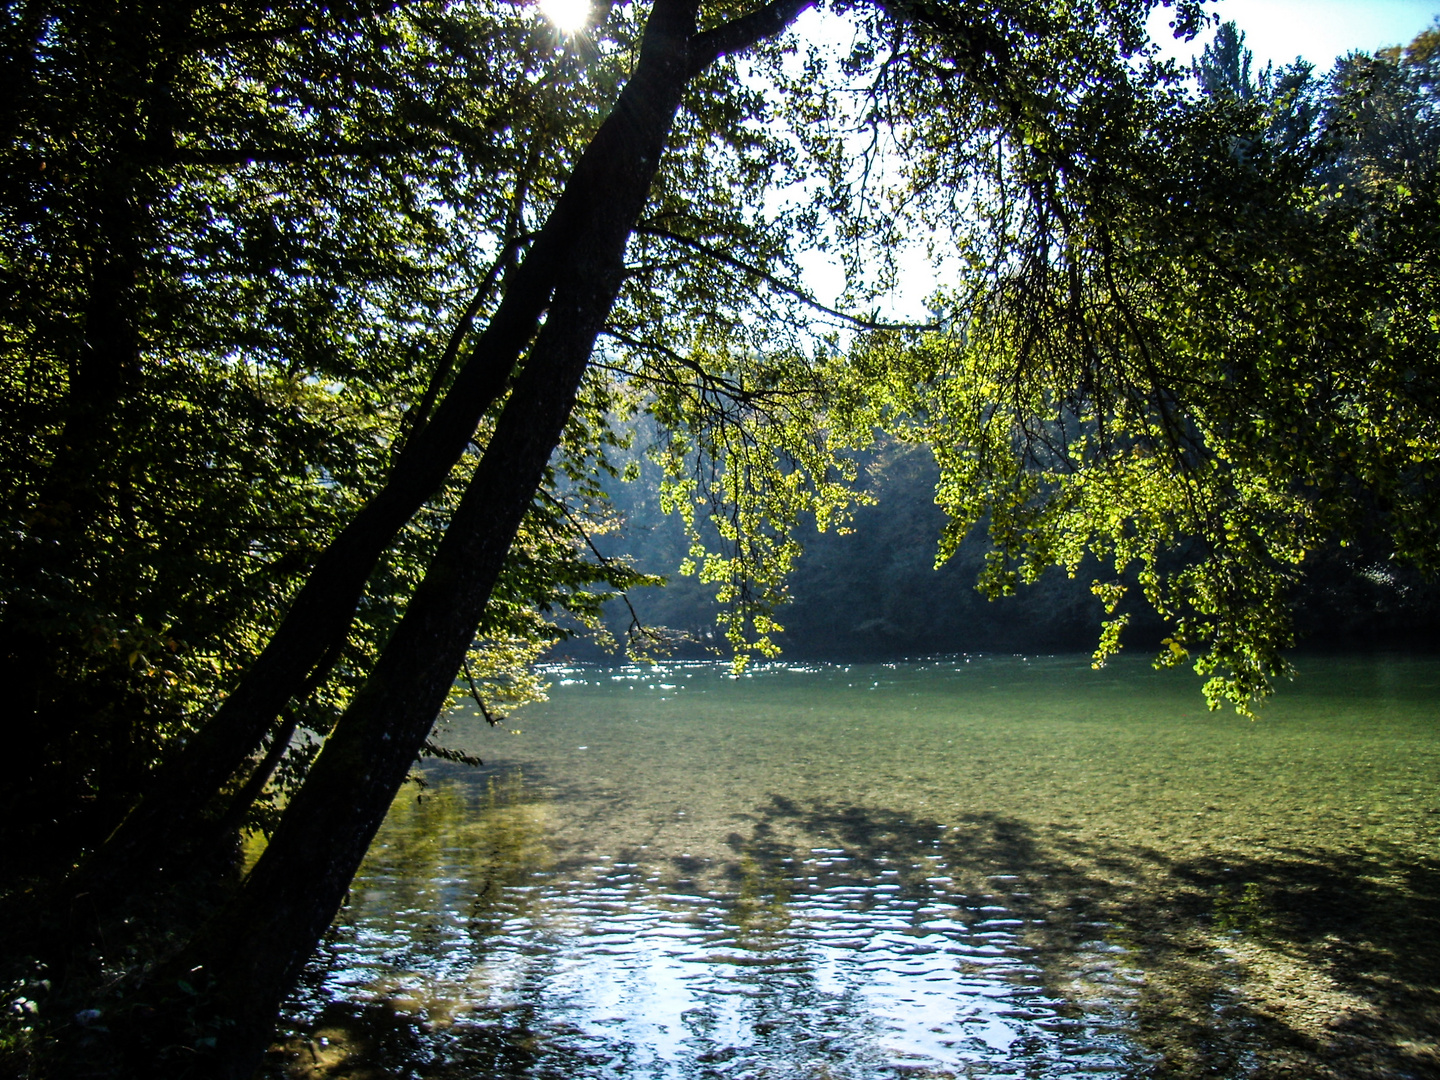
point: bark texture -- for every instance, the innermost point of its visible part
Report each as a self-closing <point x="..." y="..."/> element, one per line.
<point x="320" y="616"/>
<point x="298" y="885"/>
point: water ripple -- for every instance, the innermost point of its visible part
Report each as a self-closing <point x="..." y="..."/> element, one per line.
<point x="598" y="975"/>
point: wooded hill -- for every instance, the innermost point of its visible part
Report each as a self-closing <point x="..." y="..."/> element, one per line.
<point x="876" y="593"/>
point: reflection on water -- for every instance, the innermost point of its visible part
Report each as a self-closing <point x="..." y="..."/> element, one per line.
<point x="997" y="868"/>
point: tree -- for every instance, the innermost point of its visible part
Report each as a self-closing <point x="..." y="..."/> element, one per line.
<point x="1080" y="197"/>
<point x="1214" y="355"/>
<point x="178" y="450"/>
<point x="587" y="228"/>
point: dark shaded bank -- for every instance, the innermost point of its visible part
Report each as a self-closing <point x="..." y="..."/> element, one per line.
<point x="1299" y="962"/>
<point x="875" y="594"/>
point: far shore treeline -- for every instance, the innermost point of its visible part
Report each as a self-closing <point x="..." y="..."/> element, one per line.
<point x="876" y="593"/>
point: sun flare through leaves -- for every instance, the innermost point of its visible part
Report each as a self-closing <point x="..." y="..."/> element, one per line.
<point x="567" y="16"/>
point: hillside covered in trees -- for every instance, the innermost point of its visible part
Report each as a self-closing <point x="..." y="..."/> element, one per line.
<point x="876" y="593"/>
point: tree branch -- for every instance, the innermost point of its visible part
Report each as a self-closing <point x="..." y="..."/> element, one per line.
<point x="637" y="627"/>
<point x="287" y="155"/>
<point x="490" y="719"/>
<point x="420" y="416"/>
<point x="739" y="34"/>
<point x="780" y="284"/>
<point x="707" y="378"/>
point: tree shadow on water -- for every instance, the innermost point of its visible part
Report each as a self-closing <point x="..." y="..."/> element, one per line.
<point x="1291" y="962"/>
<point x="1259" y="963"/>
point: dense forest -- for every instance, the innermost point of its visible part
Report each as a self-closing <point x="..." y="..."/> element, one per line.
<point x="329" y="333"/>
<point x="876" y="593"/>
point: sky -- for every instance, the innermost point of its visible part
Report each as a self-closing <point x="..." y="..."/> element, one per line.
<point x="1275" y="31"/>
<point x="1318" y="30"/>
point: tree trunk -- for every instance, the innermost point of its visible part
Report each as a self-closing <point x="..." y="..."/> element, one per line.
<point x="252" y="954"/>
<point x="319" y="618"/>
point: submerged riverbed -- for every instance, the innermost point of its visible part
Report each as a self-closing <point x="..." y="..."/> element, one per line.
<point x="968" y="867"/>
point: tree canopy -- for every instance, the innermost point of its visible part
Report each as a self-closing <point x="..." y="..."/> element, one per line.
<point x="1214" y="352"/>
<point x="323" y="329"/>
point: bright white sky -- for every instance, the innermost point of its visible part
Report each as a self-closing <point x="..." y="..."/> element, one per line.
<point x="1275" y="31"/>
<point x="1318" y="30"/>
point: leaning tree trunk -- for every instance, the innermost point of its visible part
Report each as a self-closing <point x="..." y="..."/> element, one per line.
<point x="319" y="618"/>
<point x="251" y="954"/>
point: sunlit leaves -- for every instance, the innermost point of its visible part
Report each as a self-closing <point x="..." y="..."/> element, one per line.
<point x="285" y="211"/>
<point x="1194" y="359"/>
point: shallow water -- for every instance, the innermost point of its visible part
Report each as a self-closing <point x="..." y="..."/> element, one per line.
<point x="997" y="867"/>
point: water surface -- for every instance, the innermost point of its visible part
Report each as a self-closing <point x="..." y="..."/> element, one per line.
<point x="997" y="867"/>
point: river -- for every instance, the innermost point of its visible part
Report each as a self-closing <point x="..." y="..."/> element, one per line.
<point x="958" y="867"/>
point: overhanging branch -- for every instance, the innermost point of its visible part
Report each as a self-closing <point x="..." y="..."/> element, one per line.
<point x="780" y="284"/>
<point x="739" y="34"/>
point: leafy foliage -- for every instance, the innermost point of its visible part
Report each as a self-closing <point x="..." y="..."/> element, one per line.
<point x="236" y="242"/>
<point x="251" y="251"/>
<point x="1206" y="354"/>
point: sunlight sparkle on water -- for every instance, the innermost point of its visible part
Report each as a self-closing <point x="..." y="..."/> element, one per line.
<point x="568" y="16"/>
<point x="1002" y="867"/>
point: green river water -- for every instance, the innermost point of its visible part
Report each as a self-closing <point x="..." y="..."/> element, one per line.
<point x="960" y="867"/>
